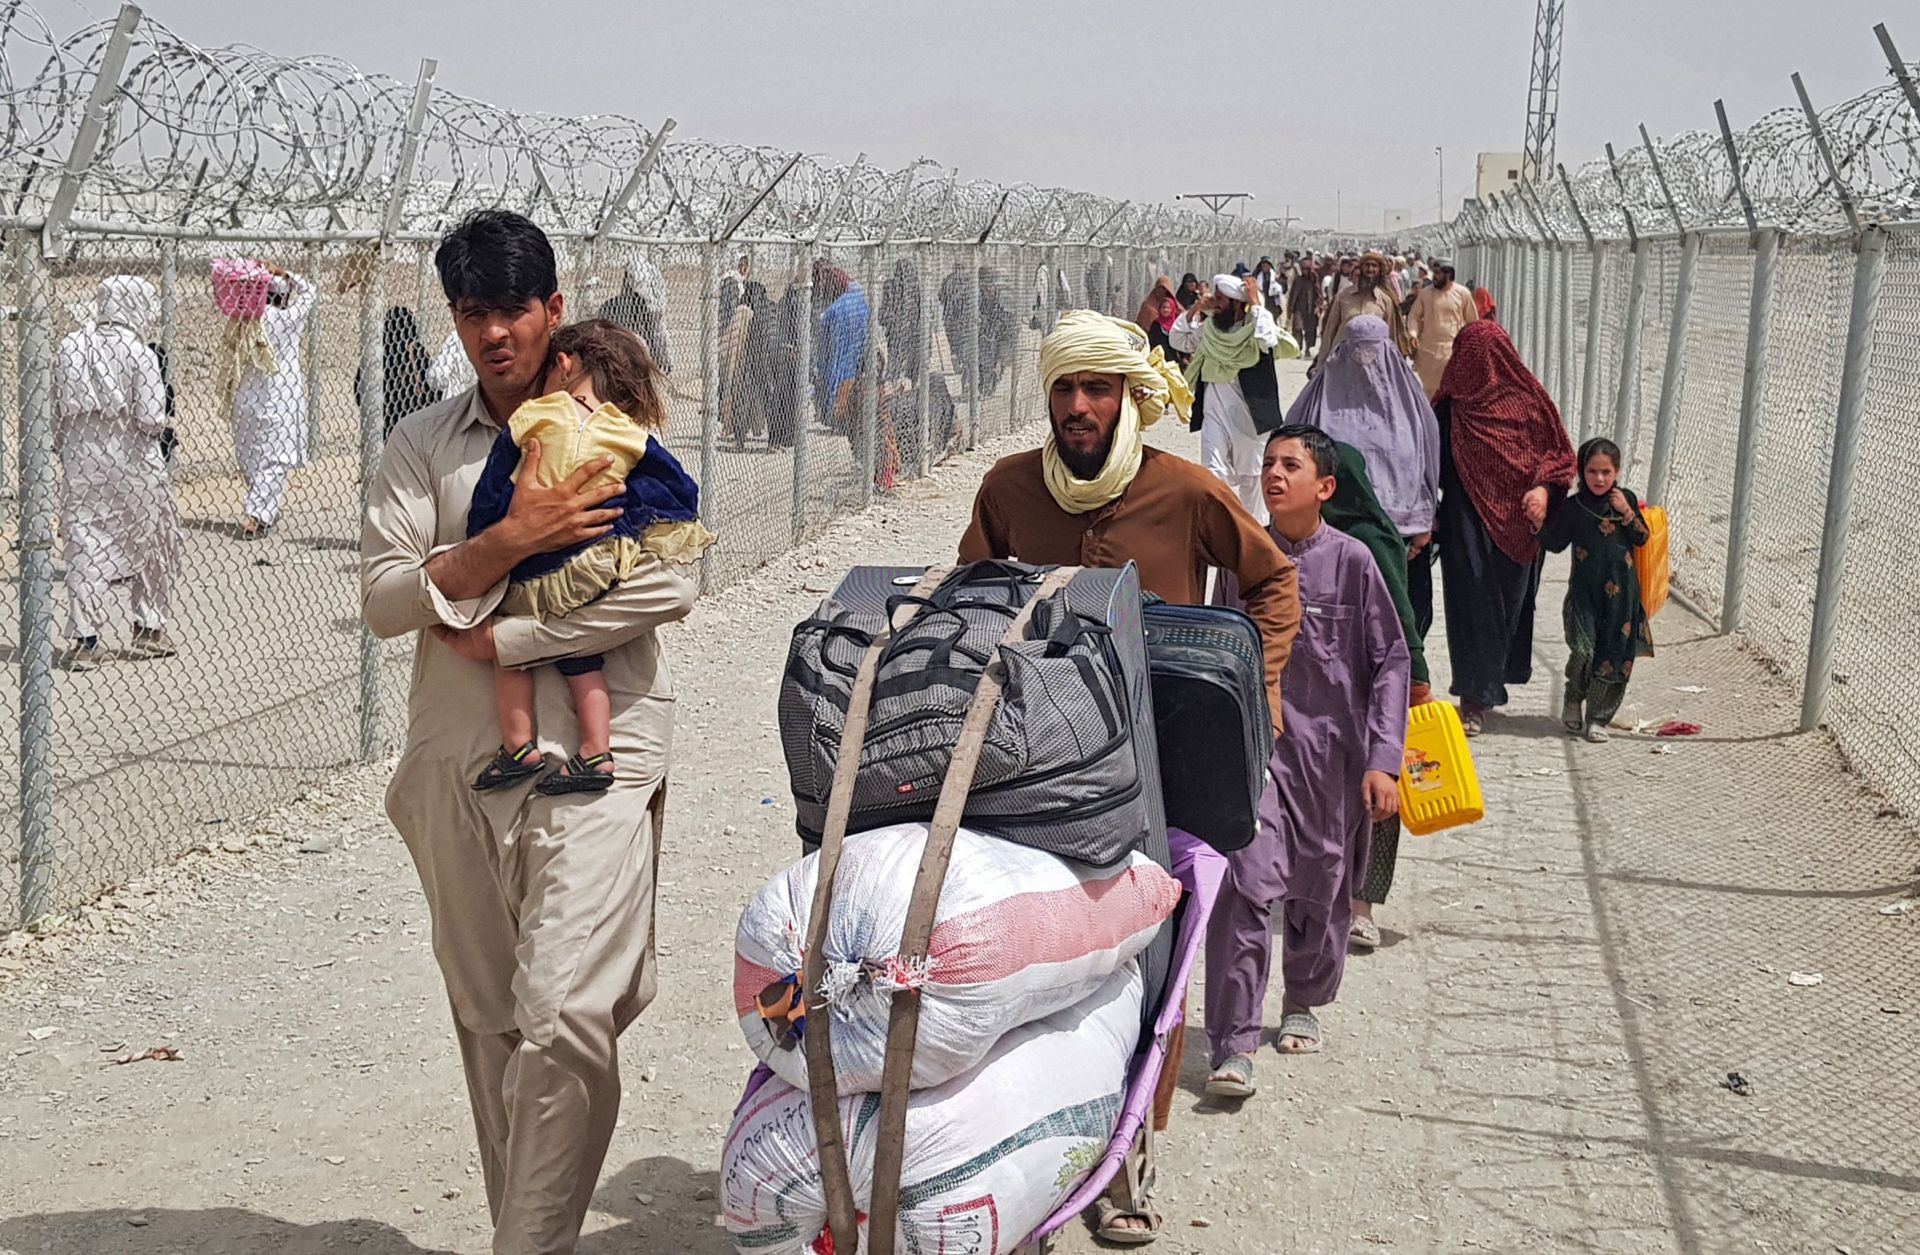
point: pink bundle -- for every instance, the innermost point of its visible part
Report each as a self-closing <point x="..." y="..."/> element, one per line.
<point x="240" y="287"/>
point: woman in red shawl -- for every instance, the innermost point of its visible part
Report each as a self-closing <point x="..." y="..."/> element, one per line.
<point x="1505" y="464"/>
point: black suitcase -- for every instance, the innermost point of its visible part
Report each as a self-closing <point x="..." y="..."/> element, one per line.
<point x="1211" y="721"/>
<point x="1070" y="766"/>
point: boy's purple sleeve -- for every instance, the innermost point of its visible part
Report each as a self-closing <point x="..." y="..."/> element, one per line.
<point x="1392" y="669"/>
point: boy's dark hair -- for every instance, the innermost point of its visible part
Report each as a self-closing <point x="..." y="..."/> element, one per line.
<point x="1319" y="446"/>
<point x="1600" y="445"/>
<point x="618" y="363"/>
<point x="496" y="259"/>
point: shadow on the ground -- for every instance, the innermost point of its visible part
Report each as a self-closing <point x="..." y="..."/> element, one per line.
<point x="677" y="1216"/>
<point x="207" y="1231"/>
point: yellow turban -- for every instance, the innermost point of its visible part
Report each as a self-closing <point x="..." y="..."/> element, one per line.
<point x="1086" y="341"/>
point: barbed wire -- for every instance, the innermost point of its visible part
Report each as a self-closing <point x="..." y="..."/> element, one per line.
<point x="1874" y="139"/>
<point x="235" y="138"/>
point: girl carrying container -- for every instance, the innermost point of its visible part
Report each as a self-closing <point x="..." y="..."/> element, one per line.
<point x="1606" y="624"/>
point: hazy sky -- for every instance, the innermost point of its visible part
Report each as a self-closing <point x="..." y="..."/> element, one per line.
<point x="1292" y="102"/>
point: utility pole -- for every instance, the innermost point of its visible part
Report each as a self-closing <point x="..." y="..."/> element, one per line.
<point x="1441" y="156"/>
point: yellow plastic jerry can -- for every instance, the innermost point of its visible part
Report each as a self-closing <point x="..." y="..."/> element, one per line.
<point x="1439" y="788"/>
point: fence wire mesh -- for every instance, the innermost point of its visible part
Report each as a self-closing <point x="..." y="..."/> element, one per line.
<point x="1836" y="349"/>
<point x="184" y="511"/>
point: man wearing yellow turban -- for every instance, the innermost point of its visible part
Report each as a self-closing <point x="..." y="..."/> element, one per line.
<point x="1094" y="495"/>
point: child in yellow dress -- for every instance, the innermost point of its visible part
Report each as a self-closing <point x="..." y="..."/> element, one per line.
<point x="602" y="401"/>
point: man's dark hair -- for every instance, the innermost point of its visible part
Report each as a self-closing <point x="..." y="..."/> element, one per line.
<point x="496" y="259"/>
<point x="1319" y="446"/>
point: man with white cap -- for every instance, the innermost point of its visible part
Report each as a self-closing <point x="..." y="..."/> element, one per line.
<point x="1094" y="495"/>
<point x="1236" y="393"/>
<point x="117" y="512"/>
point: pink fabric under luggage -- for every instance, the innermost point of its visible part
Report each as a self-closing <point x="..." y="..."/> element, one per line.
<point x="240" y="287"/>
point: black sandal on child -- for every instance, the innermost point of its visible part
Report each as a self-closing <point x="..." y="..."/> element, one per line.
<point x="580" y="775"/>
<point x="510" y="768"/>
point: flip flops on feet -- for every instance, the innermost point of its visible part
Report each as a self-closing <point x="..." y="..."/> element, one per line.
<point x="1299" y="1034"/>
<point x="1232" y="1079"/>
<point x="1473" y="720"/>
<point x="1364" y="934"/>
<point x="1573" y="715"/>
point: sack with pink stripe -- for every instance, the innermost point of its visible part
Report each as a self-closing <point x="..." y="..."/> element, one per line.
<point x="1019" y="934"/>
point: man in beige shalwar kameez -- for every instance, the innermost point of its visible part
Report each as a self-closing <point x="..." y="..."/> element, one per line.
<point x="1366" y="293"/>
<point x="542" y="907"/>
<point x="1439" y="311"/>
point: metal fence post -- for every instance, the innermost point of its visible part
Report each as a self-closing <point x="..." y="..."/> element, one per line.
<point x="1020" y="261"/>
<point x="1868" y="270"/>
<point x="1623" y="402"/>
<point x="803" y="368"/>
<point x="1671" y="377"/>
<point x="1753" y="392"/>
<point x="373" y="384"/>
<point x="970" y="380"/>
<point x="36" y="587"/>
<point x="867" y="436"/>
<point x="1563" y="334"/>
<point x="923" y="402"/>
<point x="710" y="398"/>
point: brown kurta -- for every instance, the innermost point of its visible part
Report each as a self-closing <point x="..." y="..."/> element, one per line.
<point x="1351" y="303"/>
<point x="542" y="907"/>
<point x="1174" y="522"/>
<point x="1436" y="319"/>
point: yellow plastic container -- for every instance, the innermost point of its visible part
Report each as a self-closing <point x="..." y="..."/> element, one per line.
<point x="1439" y="788"/>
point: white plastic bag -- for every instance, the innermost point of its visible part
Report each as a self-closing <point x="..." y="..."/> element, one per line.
<point x="1018" y="934"/>
<point x="989" y="1155"/>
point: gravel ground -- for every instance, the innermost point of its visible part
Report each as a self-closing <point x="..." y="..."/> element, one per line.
<point x="1534" y="1061"/>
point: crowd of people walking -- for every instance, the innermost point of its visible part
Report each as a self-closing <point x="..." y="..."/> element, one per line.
<point x="1420" y="436"/>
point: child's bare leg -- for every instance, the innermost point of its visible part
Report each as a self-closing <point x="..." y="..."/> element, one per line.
<point x="594" y="709"/>
<point x="513" y="700"/>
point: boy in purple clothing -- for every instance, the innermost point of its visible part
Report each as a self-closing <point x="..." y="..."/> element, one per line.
<point x="1334" y="775"/>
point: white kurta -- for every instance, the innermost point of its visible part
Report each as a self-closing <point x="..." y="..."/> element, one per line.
<point x="270" y="411"/>
<point x="1230" y="446"/>
<point x="117" y="513"/>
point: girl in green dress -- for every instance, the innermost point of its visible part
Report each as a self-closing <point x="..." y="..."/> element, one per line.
<point x="1606" y="624"/>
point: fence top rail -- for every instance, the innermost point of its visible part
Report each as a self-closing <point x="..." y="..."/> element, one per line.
<point x="198" y="141"/>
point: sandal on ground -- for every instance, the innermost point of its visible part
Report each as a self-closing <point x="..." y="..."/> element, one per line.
<point x="1301" y="1026"/>
<point x="1598" y="735"/>
<point x="1364" y="933"/>
<point x="580" y="775"/>
<point x="1232" y="1079"/>
<point x="1111" y="1224"/>
<point x="510" y="768"/>
<point x="1473" y="720"/>
<point x="1573" y="715"/>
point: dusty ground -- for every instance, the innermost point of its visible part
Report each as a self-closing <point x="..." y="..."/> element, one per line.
<point x="1533" y="1062"/>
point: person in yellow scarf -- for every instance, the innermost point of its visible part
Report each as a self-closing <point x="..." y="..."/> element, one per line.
<point x="1095" y="495"/>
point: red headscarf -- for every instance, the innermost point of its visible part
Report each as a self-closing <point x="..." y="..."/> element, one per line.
<point x="1507" y="435"/>
<point x="1483" y="303"/>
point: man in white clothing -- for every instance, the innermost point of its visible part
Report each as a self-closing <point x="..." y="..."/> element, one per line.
<point x="1230" y="336"/>
<point x="270" y="403"/>
<point x="117" y="513"/>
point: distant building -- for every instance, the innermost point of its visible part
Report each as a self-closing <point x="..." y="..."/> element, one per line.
<point x="1496" y="174"/>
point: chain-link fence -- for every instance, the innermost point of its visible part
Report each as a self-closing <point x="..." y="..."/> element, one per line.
<point x="1745" y="322"/>
<point x="190" y="432"/>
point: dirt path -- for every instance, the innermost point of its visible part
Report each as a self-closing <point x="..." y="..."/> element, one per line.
<point x="1532" y="1062"/>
